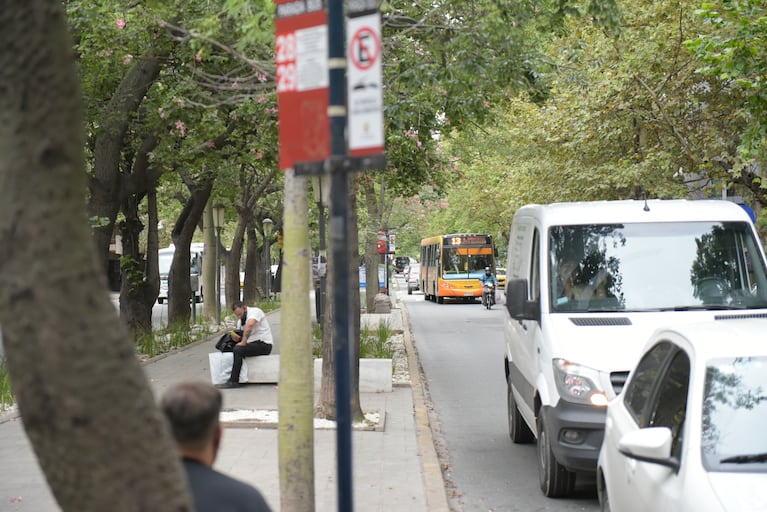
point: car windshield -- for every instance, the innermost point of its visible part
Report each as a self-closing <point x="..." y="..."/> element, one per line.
<point x="734" y="415"/>
<point x="658" y="266"/>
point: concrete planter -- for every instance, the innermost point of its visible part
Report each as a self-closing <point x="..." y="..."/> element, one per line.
<point x="375" y="375"/>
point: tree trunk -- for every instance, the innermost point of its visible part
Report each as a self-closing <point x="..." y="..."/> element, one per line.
<point x="252" y="256"/>
<point x="179" y="286"/>
<point x="233" y="257"/>
<point x="105" y="186"/>
<point x="326" y="405"/>
<point x="354" y="300"/>
<point x="372" y="257"/>
<point x="209" y="265"/>
<point x="89" y="413"/>
<point x="296" y="393"/>
<point x="140" y="285"/>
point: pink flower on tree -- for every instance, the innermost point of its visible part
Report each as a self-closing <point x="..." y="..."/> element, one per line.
<point x="198" y="57"/>
<point x="120" y="23"/>
<point x="181" y="127"/>
<point x="181" y="103"/>
<point x="127" y="59"/>
<point x="210" y="144"/>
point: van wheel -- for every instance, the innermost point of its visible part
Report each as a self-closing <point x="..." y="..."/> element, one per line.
<point x="410" y="291"/>
<point x="555" y="480"/>
<point x="440" y="300"/>
<point x="519" y="432"/>
<point x="160" y="301"/>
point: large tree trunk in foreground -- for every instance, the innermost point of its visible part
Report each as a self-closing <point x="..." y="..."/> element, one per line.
<point x="86" y="406"/>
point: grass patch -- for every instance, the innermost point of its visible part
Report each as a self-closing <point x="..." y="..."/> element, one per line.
<point x="6" y="393"/>
<point x="374" y="343"/>
<point x="171" y="338"/>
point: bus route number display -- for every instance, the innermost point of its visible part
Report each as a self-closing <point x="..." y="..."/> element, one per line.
<point x="468" y="240"/>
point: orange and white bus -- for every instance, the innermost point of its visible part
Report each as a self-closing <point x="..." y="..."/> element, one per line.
<point x="451" y="265"/>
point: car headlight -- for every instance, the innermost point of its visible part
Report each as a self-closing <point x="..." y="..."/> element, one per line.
<point x="576" y="383"/>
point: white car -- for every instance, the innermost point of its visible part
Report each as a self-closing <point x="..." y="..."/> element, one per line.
<point x="687" y="432"/>
<point x="413" y="277"/>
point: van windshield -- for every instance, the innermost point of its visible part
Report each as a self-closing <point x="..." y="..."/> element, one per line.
<point x="164" y="263"/>
<point x="655" y="266"/>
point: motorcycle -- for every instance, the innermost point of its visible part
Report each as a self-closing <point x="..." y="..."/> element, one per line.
<point x="488" y="294"/>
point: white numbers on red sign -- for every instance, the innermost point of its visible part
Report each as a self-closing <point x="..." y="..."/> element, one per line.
<point x="287" y="72"/>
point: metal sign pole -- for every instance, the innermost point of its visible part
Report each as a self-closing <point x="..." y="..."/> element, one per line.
<point x="339" y="225"/>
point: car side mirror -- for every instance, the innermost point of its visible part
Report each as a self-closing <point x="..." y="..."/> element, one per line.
<point x="651" y="444"/>
<point x="517" y="304"/>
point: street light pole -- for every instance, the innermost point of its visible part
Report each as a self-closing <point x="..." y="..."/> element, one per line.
<point x="218" y="223"/>
<point x="268" y="223"/>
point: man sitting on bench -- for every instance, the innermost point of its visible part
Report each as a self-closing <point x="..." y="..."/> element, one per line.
<point x="256" y="339"/>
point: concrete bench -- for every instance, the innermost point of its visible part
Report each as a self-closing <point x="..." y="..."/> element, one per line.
<point x="375" y="374"/>
<point x="263" y="369"/>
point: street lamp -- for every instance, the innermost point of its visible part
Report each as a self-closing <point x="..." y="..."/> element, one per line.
<point x="218" y="223"/>
<point x="268" y="224"/>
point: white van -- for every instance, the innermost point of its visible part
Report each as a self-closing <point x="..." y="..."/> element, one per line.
<point x="587" y="284"/>
<point x="165" y="258"/>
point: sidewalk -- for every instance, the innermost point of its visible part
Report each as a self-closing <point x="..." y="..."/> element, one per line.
<point x="395" y="467"/>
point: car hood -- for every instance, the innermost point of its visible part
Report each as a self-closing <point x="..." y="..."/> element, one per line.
<point x="610" y="341"/>
<point x="743" y="492"/>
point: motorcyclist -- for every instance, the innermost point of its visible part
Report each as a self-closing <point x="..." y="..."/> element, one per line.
<point x="488" y="277"/>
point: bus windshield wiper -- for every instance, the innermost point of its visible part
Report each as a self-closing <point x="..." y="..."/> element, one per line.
<point x="745" y="459"/>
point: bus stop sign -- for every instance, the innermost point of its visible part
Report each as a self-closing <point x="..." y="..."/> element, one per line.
<point x="301" y="57"/>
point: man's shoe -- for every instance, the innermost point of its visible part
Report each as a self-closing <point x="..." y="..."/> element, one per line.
<point x="228" y="385"/>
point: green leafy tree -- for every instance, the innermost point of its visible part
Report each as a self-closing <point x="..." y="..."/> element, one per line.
<point x="181" y="98"/>
<point x="626" y="116"/>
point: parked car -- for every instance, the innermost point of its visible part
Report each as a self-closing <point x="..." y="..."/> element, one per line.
<point x="687" y="433"/>
<point x="500" y="276"/>
<point x="413" y="278"/>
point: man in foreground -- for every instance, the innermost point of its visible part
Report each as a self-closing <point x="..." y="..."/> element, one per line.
<point x="192" y="410"/>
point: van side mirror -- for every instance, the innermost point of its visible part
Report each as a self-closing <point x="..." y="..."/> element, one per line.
<point x="516" y="301"/>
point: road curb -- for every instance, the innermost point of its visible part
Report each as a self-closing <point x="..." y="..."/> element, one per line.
<point x="431" y="471"/>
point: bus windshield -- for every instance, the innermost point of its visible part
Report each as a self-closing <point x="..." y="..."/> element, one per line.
<point x="465" y="262"/>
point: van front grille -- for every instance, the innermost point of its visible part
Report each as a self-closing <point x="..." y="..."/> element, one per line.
<point x="600" y="321"/>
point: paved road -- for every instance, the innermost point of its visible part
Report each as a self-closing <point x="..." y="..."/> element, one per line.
<point x="460" y="347"/>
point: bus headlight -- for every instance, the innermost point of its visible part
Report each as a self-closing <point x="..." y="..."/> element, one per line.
<point x="577" y="383"/>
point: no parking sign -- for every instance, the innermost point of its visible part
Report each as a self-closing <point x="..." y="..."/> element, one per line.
<point x="364" y="85"/>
